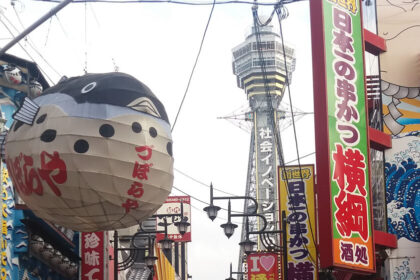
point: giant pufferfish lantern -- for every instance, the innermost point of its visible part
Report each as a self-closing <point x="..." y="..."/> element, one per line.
<point x="92" y="153"/>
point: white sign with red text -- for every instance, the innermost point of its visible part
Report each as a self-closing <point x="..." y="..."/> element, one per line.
<point x="172" y="205"/>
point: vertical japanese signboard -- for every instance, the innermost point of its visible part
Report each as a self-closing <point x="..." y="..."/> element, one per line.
<point x="172" y="205"/>
<point x="266" y="162"/>
<point x="262" y="266"/>
<point x="93" y="256"/>
<point x="297" y="199"/>
<point x="346" y="238"/>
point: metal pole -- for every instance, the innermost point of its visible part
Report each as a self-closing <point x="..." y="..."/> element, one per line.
<point x="115" y="255"/>
<point x="284" y="245"/>
<point x="31" y="28"/>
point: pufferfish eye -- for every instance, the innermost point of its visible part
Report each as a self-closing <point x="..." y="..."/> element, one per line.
<point x="88" y="87"/>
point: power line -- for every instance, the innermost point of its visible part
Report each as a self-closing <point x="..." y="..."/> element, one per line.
<point x="27" y="53"/>
<point x="30" y="42"/>
<point x="203" y="184"/>
<point x="206" y="203"/>
<point x="191" y="3"/>
<point x="281" y="14"/>
<point x="195" y="64"/>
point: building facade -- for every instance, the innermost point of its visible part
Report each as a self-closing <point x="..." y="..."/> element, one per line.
<point x="31" y="247"/>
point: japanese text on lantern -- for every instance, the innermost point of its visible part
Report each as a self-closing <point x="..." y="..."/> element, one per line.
<point x="140" y="173"/>
<point x="92" y="255"/>
<point x="267" y="177"/>
<point x="28" y="179"/>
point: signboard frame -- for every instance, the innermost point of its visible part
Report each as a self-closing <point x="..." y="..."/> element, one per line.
<point x="263" y="264"/>
<point x="297" y="200"/>
<point x="341" y="125"/>
<point x="172" y="205"/>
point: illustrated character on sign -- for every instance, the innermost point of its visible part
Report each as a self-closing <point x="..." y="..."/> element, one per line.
<point x="92" y="153"/>
<point x="399" y="25"/>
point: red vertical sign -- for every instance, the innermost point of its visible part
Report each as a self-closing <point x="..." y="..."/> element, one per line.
<point x="262" y="266"/>
<point x="92" y="254"/>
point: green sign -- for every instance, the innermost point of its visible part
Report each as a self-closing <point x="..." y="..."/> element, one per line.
<point x="348" y="141"/>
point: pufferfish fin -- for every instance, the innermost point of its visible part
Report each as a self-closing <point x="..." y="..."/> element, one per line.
<point x="145" y="105"/>
<point x="2" y="144"/>
<point x="27" y="112"/>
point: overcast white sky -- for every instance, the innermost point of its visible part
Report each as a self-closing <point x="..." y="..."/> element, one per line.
<point x="157" y="44"/>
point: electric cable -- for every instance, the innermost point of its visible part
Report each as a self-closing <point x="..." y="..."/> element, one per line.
<point x="267" y="89"/>
<point x="293" y="123"/>
<point x="30" y="42"/>
<point x="27" y="53"/>
<point x="191" y="3"/>
<point x="195" y="64"/>
<point x="203" y="184"/>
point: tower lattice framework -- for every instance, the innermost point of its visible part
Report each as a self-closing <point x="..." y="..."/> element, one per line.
<point x="259" y="65"/>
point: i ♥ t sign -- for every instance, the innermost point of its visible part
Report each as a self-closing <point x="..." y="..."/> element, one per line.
<point x="262" y="266"/>
<point x="267" y="262"/>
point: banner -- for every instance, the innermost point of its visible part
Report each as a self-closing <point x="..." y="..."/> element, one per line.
<point x="172" y="205"/>
<point x="93" y="256"/>
<point x="262" y="266"/>
<point x="297" y="199"/>
<point x="342" y="147"/>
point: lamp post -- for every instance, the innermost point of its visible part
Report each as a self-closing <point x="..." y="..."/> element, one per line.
<point x="150" y="258"/>
<point x="247" y="244"/>
<point x="230" y="273"/>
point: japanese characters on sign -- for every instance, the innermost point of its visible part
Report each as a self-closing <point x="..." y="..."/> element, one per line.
<point x="172" y="205"/>
<point x="93" y="256"/>
<point x="266" y="177"/>
<point x="350" y="193"/>
<point x="297" y="199"/>
<point x="262" y="266"/>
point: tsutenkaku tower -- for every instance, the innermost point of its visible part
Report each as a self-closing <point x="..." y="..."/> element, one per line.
<point x="264" y="87"/>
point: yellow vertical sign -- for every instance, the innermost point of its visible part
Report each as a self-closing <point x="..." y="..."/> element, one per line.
<point x="297" y="199"/>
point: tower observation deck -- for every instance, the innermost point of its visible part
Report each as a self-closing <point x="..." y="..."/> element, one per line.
<point x="259" y="65"/>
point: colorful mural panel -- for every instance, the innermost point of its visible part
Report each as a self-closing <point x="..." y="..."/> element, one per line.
<point x="9" y="264"/>
<point x="399" y="25"/>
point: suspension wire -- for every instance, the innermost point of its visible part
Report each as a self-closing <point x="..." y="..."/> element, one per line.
<point x="48" y="32"/>
<point x="27" y="53"/>
<point x="293" y="122"/>
<point x="238" y="212"/>
<point x="191" y="3"/>
<point x="195" y="64"/>
<point x="29" y="40"/>
<point x="86" y="47"/>
<point x="277" y="133"/>
<point x="203" y="184"/>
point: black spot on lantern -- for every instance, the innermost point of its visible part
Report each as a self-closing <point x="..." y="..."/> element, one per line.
<point x="153" y="132"/>
<point x="41" y="119"/>
<point x="81" y="146"/>
<point x="106" y="130"/>
<point x="169" y="148"/>
<point x="136" y="127"/>
<point x="48" y="135"/>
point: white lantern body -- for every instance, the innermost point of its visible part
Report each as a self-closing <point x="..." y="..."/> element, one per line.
<point x="92" y="166"/>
